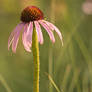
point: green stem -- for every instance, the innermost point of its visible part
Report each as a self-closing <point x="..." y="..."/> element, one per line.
<point x="35" y="49"/>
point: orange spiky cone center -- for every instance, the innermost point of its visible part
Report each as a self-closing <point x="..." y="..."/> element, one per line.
<point x="31" y="13"/>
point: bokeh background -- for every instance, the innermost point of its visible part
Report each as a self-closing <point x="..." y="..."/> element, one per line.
<point x="69" y="66"/>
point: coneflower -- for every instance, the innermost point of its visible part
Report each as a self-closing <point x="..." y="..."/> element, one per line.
<point x="31" y="19"/>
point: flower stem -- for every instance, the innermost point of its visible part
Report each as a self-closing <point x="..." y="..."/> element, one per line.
<point x="35" y="49"/>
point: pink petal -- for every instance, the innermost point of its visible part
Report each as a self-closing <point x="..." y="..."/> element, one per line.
<point x="54" y="28"/>
<point x="29" y="34"/>
<point x="49" y="24"/>
<point x="15" y="40"/>
<point x="39" y="32"/>
<point x="11" y="37"/>
<point x="25" y="43"/>
<point x="46" y="27"/>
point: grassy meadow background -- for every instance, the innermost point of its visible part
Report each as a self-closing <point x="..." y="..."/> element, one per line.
<point x="69" y="66"/>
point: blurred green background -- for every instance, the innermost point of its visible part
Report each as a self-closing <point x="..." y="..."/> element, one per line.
<point x="69" y="66"/>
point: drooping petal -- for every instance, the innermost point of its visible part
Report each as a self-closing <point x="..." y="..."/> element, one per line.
<point x="49" y="24"/>
<point x="39" y="32"/>
<point x="46" y="27"/>
<point x="15" y="40"/>
<point x="54" y="28"/>
<point x="11" y="37"/>
<point x="29" y="34"/>
<point x="24" y="40"/>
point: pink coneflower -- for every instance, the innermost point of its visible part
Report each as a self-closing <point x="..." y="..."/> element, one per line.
<point x="31" y="17"/>
<point x="87" y="7"/>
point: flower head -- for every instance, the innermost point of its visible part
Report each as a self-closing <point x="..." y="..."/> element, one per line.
<point x="87" y="7"/>
<point x="31" y="13"/>
<point x="31" y="17"/>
